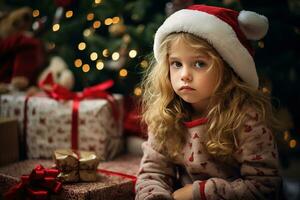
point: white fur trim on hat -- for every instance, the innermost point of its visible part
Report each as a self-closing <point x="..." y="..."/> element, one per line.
<point x="218" y="33"/>
<point x="253" y="25"/>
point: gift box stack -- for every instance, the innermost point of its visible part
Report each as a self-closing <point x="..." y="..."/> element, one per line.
<point x="91" y="120"/>
<point x="115" y="179"/>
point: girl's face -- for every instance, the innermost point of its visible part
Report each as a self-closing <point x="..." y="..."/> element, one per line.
<point x="192" y="75"/>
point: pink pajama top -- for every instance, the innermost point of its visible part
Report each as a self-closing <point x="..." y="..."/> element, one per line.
<point x="253" y="173"/>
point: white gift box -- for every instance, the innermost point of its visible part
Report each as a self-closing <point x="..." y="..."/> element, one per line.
<point x="48" y="124"/>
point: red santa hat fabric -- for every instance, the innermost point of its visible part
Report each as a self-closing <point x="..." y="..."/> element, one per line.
<point x="228" y="31"/>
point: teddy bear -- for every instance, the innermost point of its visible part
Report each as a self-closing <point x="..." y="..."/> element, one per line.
<point x="22" y="56"/>
<point x="61" y="74"/>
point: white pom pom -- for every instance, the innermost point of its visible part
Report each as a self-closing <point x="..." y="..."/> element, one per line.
<point x="253" y="25"/>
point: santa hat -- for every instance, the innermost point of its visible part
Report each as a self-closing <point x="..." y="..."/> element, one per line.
<point x="228" y="31"/>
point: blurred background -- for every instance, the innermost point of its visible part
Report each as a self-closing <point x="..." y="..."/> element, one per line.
<point x="85" y="42"/>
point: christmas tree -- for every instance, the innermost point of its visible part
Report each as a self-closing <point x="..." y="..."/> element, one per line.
<point x="99" y="40"/>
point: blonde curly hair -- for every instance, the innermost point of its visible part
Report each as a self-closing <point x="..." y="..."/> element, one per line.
<point x="164" y="111"/>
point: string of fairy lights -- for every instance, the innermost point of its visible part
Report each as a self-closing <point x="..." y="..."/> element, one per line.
<point x="96" y="56"/>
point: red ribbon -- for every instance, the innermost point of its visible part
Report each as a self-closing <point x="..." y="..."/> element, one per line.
<point x="38" y="185"/>
<point x="59" y="92"/>
<point x="122" y="175"/>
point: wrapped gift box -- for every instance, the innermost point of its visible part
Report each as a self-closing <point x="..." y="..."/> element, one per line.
<point x="9" y="141"/>
<point x="48" y="124"/>
<point x="107" y="186"/>
<point x="75" y="166"/>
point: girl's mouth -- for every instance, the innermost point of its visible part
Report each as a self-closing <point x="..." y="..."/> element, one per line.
<point x="186" y="88"/>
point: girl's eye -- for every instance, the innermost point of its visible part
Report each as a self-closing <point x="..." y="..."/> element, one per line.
<point x="176" y="64"/>
<point x="200" y="64"/>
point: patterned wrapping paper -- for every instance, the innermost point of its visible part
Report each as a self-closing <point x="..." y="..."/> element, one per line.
<point x="12" y="105"/>
<point x="49" y="124"/>
<point x="106" y="187"/>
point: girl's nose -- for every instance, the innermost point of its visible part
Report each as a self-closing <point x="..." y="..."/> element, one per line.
<point x="186" y="74"/>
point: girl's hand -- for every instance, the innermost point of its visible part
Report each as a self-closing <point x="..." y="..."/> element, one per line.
<point x="184" y="193"/>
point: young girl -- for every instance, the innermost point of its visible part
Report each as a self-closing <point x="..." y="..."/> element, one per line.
<point x="210" y="127"/>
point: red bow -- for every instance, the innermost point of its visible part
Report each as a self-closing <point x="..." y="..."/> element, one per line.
<point x="38" y="185"/>
<point x="59" y="92"/>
